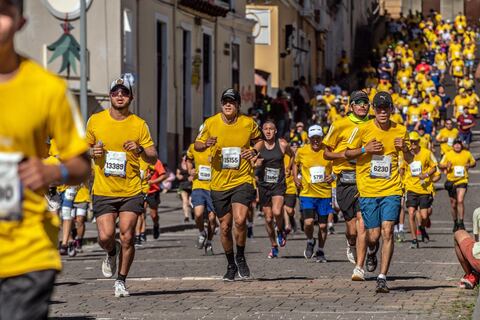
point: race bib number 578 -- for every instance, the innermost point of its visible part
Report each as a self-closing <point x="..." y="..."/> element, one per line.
<point x="10" y="187"/>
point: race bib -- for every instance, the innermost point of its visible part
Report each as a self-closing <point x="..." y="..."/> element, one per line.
<point x="458" y="171"/>
<point x="469" y="56"/>
<point x="404" y="79"/>
<point x="414" y="117"/>
<point x="11" y="193"/>
<point x="381" y="167"/>
<point x="204" y="173"/>
<point x="317" y="174"/>
<point x="450" y="141"/>
<point x="457" y="54"/>
<point x="231" y="158"/>
<point x="416" y="168"/>
<point x="71" y="193"/>
<point x="458" y="69"/>
<point x="460" y="109"/>
<point x="271" y="175"/>
<point x="116" y="164"/>
<point x="405" y="110"/>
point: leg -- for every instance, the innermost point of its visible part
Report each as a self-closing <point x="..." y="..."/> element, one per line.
<point x="226" y="237"/>
<point x="460" y="203"/>
<point x="154" y="215"/>
<point x="361" y="241"/>
<point x="387" y="246"/>
<point x="240" y="214"/>
<point x="322" y="235"/>
<point x="459" y="236"/>
<point x="413" y="224"/>
<point x="185" y="205"/>
<point x="351" y="231"/>
<point x="106" y="231"/>
<point x="308" y="227"/>
<point x="453" y="205"/>
<point x="277" y="204"/>
<point x="267" y="211"/>
<point x="80" y="226"/>
<point x="128" y="221"/>
<point x="198" y="211"/>
<point x="212" y="224"/>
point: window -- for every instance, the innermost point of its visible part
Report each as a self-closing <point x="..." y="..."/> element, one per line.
<point x="236" y="66"/>
<point x="261" y="30"/>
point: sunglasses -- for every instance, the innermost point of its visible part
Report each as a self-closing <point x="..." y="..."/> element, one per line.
<point x="123" y="92"/>
<point x="361" y="102"/>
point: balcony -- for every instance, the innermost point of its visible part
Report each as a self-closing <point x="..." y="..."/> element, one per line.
<point x="215" y="8"/>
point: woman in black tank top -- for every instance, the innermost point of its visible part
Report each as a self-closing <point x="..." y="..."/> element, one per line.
<point x="271" y="184"/>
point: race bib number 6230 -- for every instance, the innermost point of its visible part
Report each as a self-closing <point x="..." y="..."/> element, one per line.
<point x="10" y="187"/>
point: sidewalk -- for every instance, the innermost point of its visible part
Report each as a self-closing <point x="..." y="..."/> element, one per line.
<point x="171" y="218"/>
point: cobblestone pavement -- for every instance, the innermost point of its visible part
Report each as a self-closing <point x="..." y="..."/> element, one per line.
<point x="170" y="279"/>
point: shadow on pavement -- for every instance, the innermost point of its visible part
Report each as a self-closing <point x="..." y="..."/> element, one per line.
<point x="419" y="288"/>
<point x="68" y="283"/>
<point x="165" y="292"/>
<point x="73" y="318"/>
<point x="284" y="278"/>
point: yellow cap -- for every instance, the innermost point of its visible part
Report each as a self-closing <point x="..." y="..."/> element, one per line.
<point x="414" y="135"/>
<point x="461" y="90"/>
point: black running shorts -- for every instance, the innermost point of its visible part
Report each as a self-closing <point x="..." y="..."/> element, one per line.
<point x="222" y="200"/>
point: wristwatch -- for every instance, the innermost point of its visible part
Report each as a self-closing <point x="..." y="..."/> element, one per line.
<point x="140" y="149"/>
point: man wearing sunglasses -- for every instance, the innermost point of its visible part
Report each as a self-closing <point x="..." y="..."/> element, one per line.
<point x="118" y="139"/>
<point x="336" y="142"/>
<point x="376" y="147"/>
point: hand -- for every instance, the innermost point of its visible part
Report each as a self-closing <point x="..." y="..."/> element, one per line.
<point x="193" y="172"/>
<point x="298" y="183"/>
<point x="35" y="175"/>
<point x="249" y="154"/>
<point x="423" y="176"/>
<point x="328" y="178"/>
<point x="399" y="143"/>
<point x="211" y="141"/>
<point x="131" y="146"/>
<point x="374" y="146"/>
<point x="288" y="172"/>
<point x="449" y="165"/>
<point x="97" y="150"/>
<point x="258" y="162"/>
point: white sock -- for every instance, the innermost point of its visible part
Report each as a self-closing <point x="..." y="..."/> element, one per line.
<point x="400" y="227"/>
<point x="330" y="224"/>
<point x="382" y="276"/>
<point x="395" y="229"/>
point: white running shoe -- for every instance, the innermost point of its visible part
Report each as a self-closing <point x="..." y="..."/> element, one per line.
<point x="351" y="253"/>
<point x="109" y="264"/>
<point x="202" y="237"/>
<point x="358" y="274"/>
<point x="120" y="289"/>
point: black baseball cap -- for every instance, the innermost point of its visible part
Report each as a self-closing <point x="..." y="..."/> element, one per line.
<point x="231" y="94"/>
<point x="359" y="95"/>
<point x="382" y="99"/>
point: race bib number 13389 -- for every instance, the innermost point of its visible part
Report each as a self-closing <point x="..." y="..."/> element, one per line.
<point x="10" y="187"/>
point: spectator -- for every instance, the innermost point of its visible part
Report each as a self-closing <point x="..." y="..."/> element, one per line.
<point x="467" y="249"/>
<point x="319" y="88"/>
<point x="279" y="112"/>
<point x="466" y="122"/>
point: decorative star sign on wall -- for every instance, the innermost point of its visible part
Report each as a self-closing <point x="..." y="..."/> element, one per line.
<point x="66" y="47"/>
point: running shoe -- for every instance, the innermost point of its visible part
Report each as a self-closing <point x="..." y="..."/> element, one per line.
<point x="186" y="220"/>
<point x="418" y="232"/>
<point x="138" y="241"/>
<point x="109" y="264"/>
<point x="209" y="249"/>
<point x="250" y="232"/>
<point x="308" y="253"/>
<point x="460" y="226"/>
<point x="358" y="274"/>
<point x="372" y="262"/>
<point x="143" y="237"/>
<point x="273" y="253"/>
<point x="429" y="223"/>
<point x="469" y="281"/>
<point x="63" y="250"/>
<point x="331" y="230"/>
<point x="78" y="245"/>
<point x="425" y="236"/>
<point x="414" y="244"/>
<point x="455" y="227"/>
<point x="72" y="252"/>
<point x="120" y="289"/>
<point x="201" y="240"/>
<point x="320" y="256"/>
<point x="231" y="272"/>
<point x="156" y="231"/>
<point x="382" y="286"/>
<point x="243" y="270"/>
<point x="395" y="236"/>
<point x="351" y="253"/>
<point x="281" y="238"/>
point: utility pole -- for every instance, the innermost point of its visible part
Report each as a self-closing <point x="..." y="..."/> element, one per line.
<point x="83" y="60"/>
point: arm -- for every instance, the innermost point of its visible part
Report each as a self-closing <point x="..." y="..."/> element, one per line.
<point x="160" y="178"/>
<point x="330" y="155"/>
<point x="149" y="155"/>
<point x="295" y="168"/>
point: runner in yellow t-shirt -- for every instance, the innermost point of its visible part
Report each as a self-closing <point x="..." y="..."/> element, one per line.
<point x="290" y="197"/>
<point x="230" y="136"/>
<point x="336" y="143"/>
<point x="457" y="162"/>
<point x="418" y="187"/>
<point x="36" y="106"/>
<point x="118" y="138"/>
<point x="315" y="190"/>
<point x="457" y="70"/>
<point x="446" y="136"/>
<point x="376" y="147"/>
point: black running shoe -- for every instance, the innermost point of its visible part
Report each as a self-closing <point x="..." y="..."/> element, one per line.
<point x="308" y="253"/>
<point x="372" y="262"/>
<point x="156" y="231"/>
<point x="455" y="227"/>
<point x="231" y="271"/>
<point x="425" y="236"/>
<point x="243" y="270"/>
<point x="250" y="232"/>
<point x="382" y="286"/>
<point x="460" y="225"/>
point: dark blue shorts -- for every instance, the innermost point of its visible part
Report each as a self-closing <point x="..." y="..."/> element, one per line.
<point x="377" y="210"/>
<point x="202" y="197"/>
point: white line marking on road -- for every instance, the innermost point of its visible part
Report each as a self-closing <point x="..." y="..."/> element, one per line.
<point x="211" y="278"/>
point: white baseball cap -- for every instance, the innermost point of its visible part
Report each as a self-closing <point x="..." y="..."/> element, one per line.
<point x="126" y="80"/>
<point x="315" y="130"/>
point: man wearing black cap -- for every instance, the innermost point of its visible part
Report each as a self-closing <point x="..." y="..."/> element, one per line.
<point x="336" y="142"/>
<point x="376" y="147"/>
<point x="118" y="139"/>
<point x="36" y="107"/>
<point x="234" y="141"/>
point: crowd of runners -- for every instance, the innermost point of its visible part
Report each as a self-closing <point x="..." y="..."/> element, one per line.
<point x="368" y="157"/>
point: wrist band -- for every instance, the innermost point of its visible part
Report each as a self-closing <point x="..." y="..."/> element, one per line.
<point x="363" y="149"/>
<point x="64" y="173"/>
